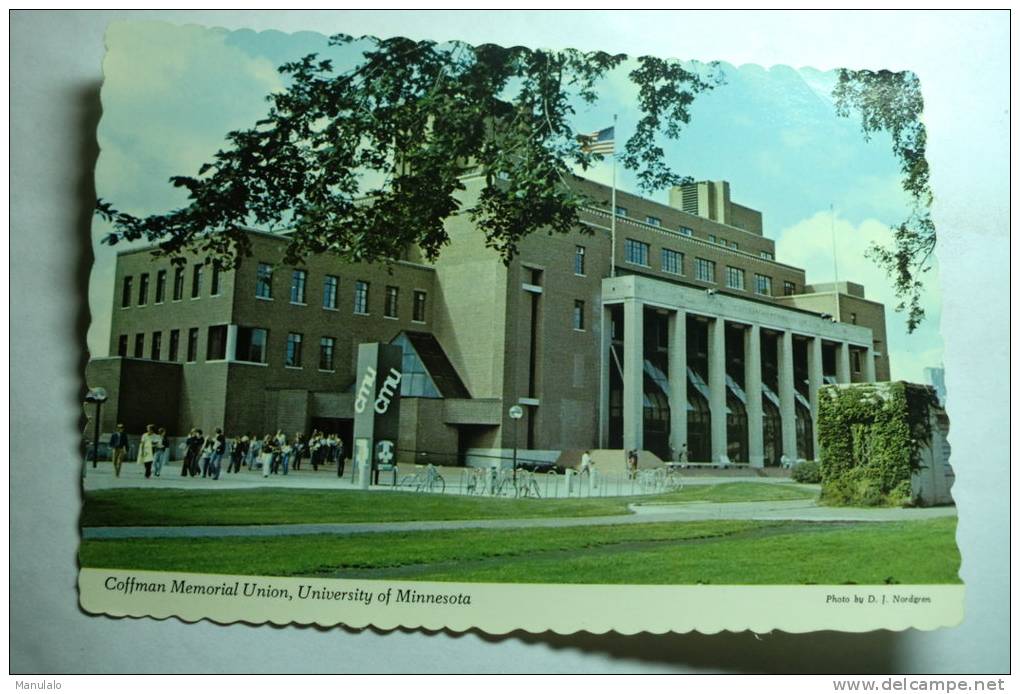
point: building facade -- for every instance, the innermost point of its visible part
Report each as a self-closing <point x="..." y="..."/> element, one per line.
<point x="681" y="329"/>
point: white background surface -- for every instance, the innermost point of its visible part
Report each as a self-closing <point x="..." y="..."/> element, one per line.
<point x="963" y="62"/>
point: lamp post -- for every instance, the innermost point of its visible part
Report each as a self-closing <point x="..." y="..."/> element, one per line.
<point x="516" y="412"/>
<point x="96" y="396"/>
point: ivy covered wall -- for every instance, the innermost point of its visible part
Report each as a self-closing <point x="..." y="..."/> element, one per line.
<point x="871" y="436"/>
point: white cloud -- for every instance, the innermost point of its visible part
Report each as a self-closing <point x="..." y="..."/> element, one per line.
<point x="808" y="244"/>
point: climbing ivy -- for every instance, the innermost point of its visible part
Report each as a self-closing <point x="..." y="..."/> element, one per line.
<point x="871" y="438"/>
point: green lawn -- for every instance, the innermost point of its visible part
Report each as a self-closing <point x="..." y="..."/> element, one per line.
<point x="718" y="552"/>
<point x="159" y="507"/>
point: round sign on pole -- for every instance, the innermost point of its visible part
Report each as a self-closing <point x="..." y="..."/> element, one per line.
<point x="516" y="412"/>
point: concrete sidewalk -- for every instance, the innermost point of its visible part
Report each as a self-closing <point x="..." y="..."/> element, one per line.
<point x="132" y="476"/>
<point x="754" y="510"/>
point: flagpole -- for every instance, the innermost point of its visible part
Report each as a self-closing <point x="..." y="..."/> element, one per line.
<point x="835" y="267"/>
<point x="612" y="225"/>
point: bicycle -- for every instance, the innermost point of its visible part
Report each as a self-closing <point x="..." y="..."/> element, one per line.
<point x="674" y="479"/>
<point x="425" y="480"/>
<point x="527" y="485"/>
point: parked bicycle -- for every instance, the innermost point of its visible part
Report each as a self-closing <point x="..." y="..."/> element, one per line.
<point x="426" y="479"/>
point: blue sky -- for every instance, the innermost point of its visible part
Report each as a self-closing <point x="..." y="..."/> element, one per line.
<point x="171" y="93"/>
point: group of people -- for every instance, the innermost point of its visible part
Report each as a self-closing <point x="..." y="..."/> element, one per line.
<point x="205" y="453"/>
<point x="274" y="453"/>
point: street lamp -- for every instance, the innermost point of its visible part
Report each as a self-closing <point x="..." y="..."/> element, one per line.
<point x="516" y="412"/>
<point x="97" y="396"/>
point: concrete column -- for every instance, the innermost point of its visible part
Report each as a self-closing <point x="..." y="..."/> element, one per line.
<point x="842" y="363"/>
<point x="605" y="365"/>
<point x="633" y="374"/>
<point x="787" y="407"/>
<point x="869" y="365"/>
<point x="815" y="380"/>
<point x="231" y="343"/>
<point x="752" y="387"/>
<point x="678" y="379"/>
<point x="717" y="386"/>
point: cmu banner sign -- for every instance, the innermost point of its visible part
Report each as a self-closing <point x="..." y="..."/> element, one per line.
<point x="376" y="408"/>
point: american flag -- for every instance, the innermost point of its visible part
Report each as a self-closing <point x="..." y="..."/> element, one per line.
<point x="599" y="142"/>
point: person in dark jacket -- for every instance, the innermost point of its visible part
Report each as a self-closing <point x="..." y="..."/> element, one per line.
<point x="193" y="449"/>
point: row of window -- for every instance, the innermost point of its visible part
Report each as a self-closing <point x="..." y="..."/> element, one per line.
<point x="331" y="292"/>
<point x="250" y="346"/>
<point x="197" y="279"/>
<point x="637" y="252"/>
<point x="682" y="230"/>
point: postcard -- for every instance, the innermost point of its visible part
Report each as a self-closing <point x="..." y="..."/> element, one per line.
<point x="403" y="333"/>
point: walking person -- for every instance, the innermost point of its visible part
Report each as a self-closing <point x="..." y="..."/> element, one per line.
<point x="254" y="451"/>
<point x="238" y="452"/>
<point x="339" y="457"/>
<point x="208" y="444"/>
<point x="219" y="449"/>
<point x="586" y="463"/>
<point x="192" y="451"/>
<point x="118" y="448"/>
<point x="162" y="451"/>
<point x="267" y="454"/>
<point x="147" y="448"/>
<point x="299" y="450"/>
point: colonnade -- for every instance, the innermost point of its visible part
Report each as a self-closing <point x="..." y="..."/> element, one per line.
<point x="633" y="379"/>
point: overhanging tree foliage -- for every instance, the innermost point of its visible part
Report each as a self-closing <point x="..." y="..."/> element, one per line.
<point x="892" y="102"/>
<point x="363" y="163"/>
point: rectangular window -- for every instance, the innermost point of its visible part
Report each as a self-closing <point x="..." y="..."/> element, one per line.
<point x="654" y="221"/>
<point x="292" y="356"/>
<point x="216" y="343"/>
<point x="621" y="211"/>
<point x="143" y="289"/>
<point x="160" y="286"/>
<point x="122" y="344"/>
<point x="734" y="278"/>
<point x="704" y="270"/>
<point x="578" y="315"/>
<point x="196" y="281"/>
<point x="763" y="285"/>
<point x="192" y="344"/>
<point x="251" y="344"/>
<point x="711" y="238"/>
<point x="635" y="252"/>
<point x="672" y="261"/>
<point x="139" y="345"/>
<point x="418" y="314"/>
<point x="264" y="281"/>
<point x="178" y="283"/>
<point x="579" y="260"/>
<point x="734" y="245"/>
<point x="157" y="346"/>
<point x="297" y="286"/>
<point x="361" y="297"/>
<point x="766" y="255"/>
<point x="789" y="288"/>
<point x="215" y="288"/>
<point x="175" y="345"/>
<point x="686" y="231"/>
<point x="326" y="346"/>
<point x="392" y="296"/>
<point x="853" y="318"/>
<point x="125" y="295"/>
<point x="855" y="360"/>
<point x="330" y="287"/>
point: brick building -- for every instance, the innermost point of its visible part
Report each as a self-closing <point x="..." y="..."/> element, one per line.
<point x="719" y="325"/>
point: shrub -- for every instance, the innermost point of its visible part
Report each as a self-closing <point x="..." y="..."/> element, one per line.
<point x="808" y="472"/>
